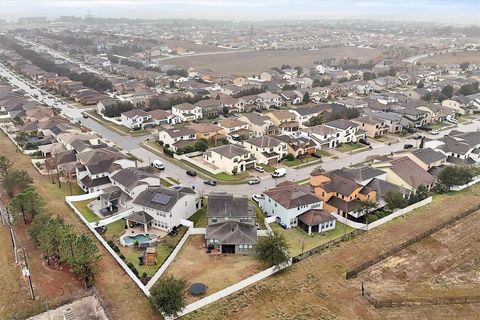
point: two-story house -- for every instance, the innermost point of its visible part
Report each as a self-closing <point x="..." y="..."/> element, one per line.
<point x="259" y="124"/>
<point x="266" y="149"/>
<point x="347" y="131"/>
<point x="136" y="119"/>
<point x="164" y="208"/>
<point x="374" y="127"/>
<point x="187" y="112"/>
<point x="231" y="224"/>
<point x="176" y="138"/>
<point x="294" y="205"/>
<point x="231" y="159"/>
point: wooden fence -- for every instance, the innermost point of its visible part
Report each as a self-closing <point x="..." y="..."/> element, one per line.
<point x="354" y="271"/>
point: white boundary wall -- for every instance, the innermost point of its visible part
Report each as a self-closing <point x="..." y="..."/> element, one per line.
<point x="474" y="181"/>
<point x="87" y="196"/>
<point x="232" y="289"/>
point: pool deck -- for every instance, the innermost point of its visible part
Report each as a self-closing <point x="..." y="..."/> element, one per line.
<point x="132" y="232"/>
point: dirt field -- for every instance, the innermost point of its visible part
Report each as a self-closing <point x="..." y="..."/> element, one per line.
<point x="197" y="48"/>
<point x="120" y="294"/>
<point x="316" y="288"/>
<point x="248" y="63"/>
<point x="454" y="57"/>
<point x="439" y="265"/>
<point x="215" y="271"/>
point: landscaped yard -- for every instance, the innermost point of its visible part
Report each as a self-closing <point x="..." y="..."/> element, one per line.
<point x="267" y="167"/>
<point x="324" y="153"/>
<point x="348" y="147"/>
<point x="302" y="162"/>
<point x="440" y="125"/>
<point x="165" y="183"/>
<point x="295" y="237"/>
<point x="199" y="218"/>
<point x="85" y="210"/>
<point x="216" y="271"/>
<point x="260" y="217"/>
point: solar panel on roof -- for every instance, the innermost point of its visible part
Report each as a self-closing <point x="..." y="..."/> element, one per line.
<point x="161" y="198"/>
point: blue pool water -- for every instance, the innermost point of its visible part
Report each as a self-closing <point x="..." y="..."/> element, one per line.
<point x="141" y="238"/>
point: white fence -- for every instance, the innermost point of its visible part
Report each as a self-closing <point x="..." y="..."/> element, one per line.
<point x="198" y="230"/>
<point x="87" y="196"/>
<point x="474" y="181"/>
<point x="112" y="219"/>
<point x="399" y="213"/>
<point x="351" y="224"/>
<point x="232" y="289"/>
<point x="167" y="262"/>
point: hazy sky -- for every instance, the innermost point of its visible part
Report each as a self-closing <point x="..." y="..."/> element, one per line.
<point x="454" y="11"/>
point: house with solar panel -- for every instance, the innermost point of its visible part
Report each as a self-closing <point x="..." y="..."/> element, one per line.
<point x="163" y="208"/>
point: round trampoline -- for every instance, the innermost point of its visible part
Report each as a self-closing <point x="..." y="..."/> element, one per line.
<point x="198" y="289"/>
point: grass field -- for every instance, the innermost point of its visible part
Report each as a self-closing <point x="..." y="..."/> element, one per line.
<point x="308" y="161"/>
<point x="347" y="147"/>
<point x="216" y="271"/>
<point x="440" y="125"/>
<point x="82" y="206"/>
<point x="248" y="63"/>
<point x="121" y="296"/>
<point x="318" y="283"/>
<point x="296" y="236"/>
<point x="199" y="218"/>
<point x="453" y="57"/>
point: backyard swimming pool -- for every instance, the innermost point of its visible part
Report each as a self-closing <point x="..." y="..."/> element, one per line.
<point x="141" y="238"/>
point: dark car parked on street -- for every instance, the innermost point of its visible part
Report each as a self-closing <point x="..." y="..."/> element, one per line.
<point x="191" y="173"/>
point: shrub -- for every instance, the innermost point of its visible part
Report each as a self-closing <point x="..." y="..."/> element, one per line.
<point x="290" y="157"/>
<point x="122" y="256"/>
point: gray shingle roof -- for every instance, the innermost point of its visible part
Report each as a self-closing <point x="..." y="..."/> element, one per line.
<point x="226" y="205"/>
<point x="232" y="232"/>
<point x="146" y="198"/>
<point x="131" y="177"/>
<point x="428" y="155"/>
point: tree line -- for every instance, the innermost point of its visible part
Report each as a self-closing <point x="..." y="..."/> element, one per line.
<point x="88" y="79"/>
<point x="59" y="241"/>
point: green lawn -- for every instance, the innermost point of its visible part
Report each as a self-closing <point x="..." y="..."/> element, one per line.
<point x="324" y="153"/>
<point x="302" y="162"/>
<point x="114" y="230"/>
<point x="85" y="211"/>
<point x="260" y="217"/>
<point x="295" y="236"/>
<point x="64" y="190"/>
<point x="267" y="167"/>
<point x="440" y="125"/>
<point x="165" y="183"/>
<point x="229" y="177"/>
<point x="347" y="147"/>
<point x="174" y="180"/>
<point x="199" y="218"/>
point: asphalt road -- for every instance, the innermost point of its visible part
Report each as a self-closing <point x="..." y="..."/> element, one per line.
<point x="131" y="144"/>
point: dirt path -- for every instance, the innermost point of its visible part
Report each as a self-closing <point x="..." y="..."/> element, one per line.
<point x="316" y="288"/>
<point x="122" y="297"/>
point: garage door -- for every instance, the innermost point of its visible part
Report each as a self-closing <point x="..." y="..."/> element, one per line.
<point x="228" y="248"/>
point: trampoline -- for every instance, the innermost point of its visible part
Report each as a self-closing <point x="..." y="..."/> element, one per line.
<point x="198" y="289"/>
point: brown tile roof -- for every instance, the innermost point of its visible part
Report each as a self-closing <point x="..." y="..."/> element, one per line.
<point x="315" y="217"/>
<point x="291" y="195"/>
<point x="411" y="172"/>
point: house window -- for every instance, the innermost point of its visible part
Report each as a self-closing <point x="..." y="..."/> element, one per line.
<point x="214" y="220"/>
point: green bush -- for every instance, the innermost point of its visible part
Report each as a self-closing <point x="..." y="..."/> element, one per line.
<point x="290" y="157"/>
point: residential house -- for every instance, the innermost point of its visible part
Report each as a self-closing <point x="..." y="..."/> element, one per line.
<point x="210" y="108"/>
<point x="297" y="146"/>
<point x="266" y="149"/>
<point x="323" y="136"/>
<point x="259" y="124"/>
<point x="341" y="193"/>
<point x="374" y="127"/>
<point x="406" y="173"/>
<point x="285" y="120"/>
<point x="347" y="130"/>
<point x="136" y="119"/>
<point x="176" y="138"/>
<point x="164" y="208"/>
<point x="207" y="131"/>
<point x="294" y="205"/>
<point x="231" y="224"/>
<point x="392" y="120"/>
<point x="231" y="159"/>
<point x="187" y="112"/>
<point x="427" y="158"/>
<point x="304" y="114"/>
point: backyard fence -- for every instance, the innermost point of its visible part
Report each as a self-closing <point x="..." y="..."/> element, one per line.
<point x="322" y="247"/>
<point x="354" y="271"/>
<point x="400" y="302"/>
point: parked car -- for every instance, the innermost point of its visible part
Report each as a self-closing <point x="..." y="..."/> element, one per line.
<point x="316" y="155"/>
<point x="158" y="164"/>
<point x="435" y="132"/>
<point x="85" y="115"/>
<point x="212" y="183"/>
<point x="191" y="173"/>
<point x="279" y="173"/>
<point x="256" y="197"/>
<point x="407" y="146"/>
<point x="425" y="128"/>
<point x="418" y="137"/>
<point x="283" y="225"/>
<point x="255" y="180"/>
<point x="259" y="169"/>
<point x="365" y="142"/>
<point x="411" y="130"/>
